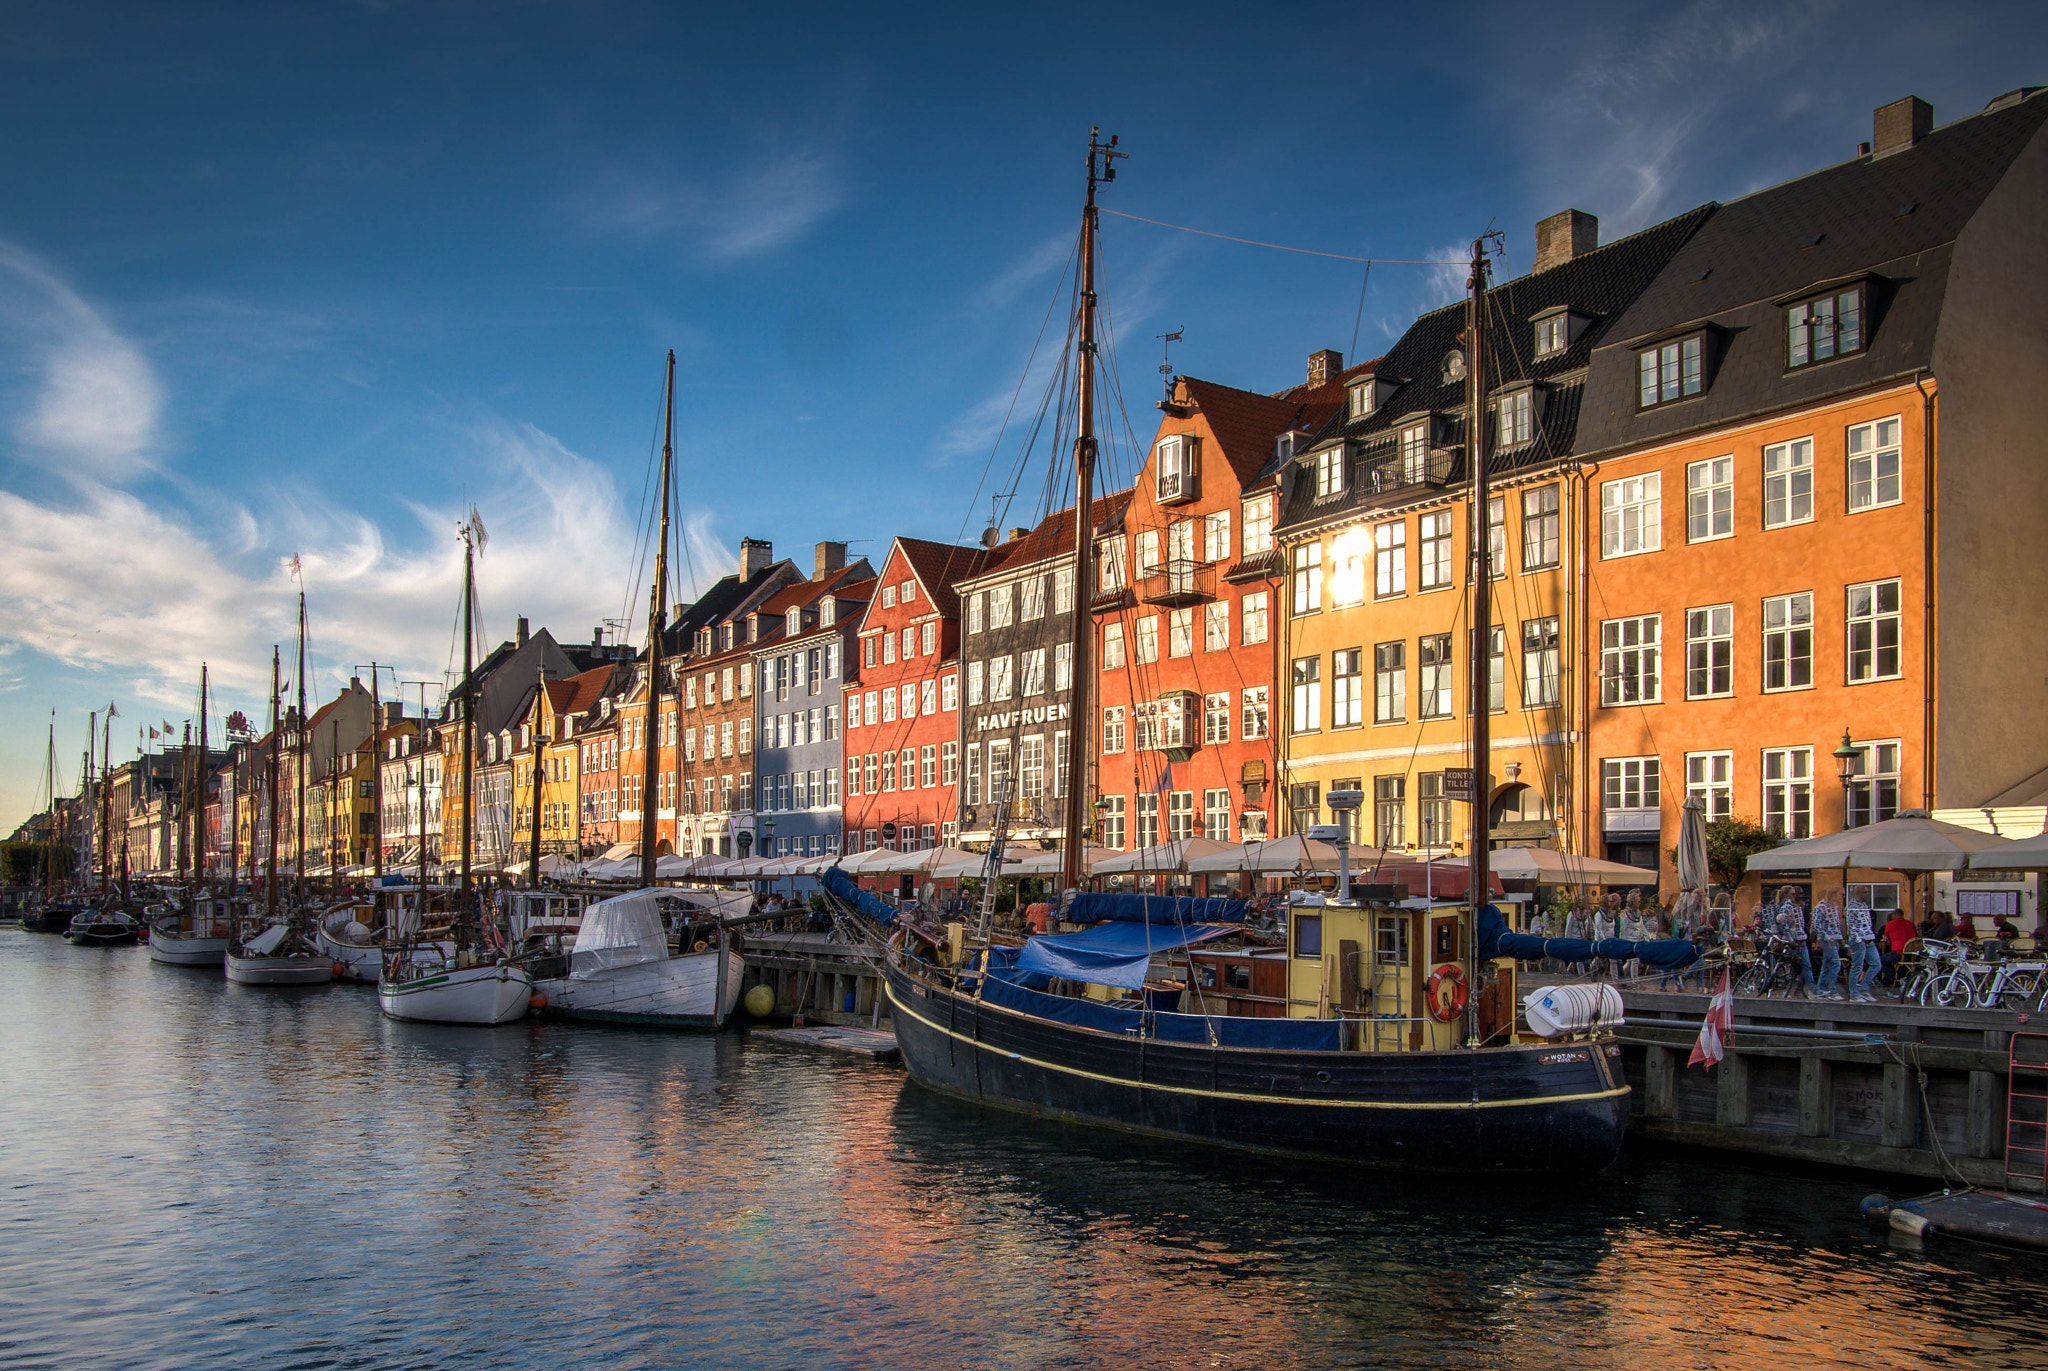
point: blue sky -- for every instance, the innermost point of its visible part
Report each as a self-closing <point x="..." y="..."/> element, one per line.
<point x="307" y="278"/>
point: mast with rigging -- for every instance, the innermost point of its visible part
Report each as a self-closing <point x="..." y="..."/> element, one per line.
<point x="299" y="766"/>
<point x="199" y="826"/>
<point x="656" y="622"/>
<point x="1102" y="159"/>
<point x="468" y="696"/>
<point x="271" y="782"/>
<point x="1482" y="624"/>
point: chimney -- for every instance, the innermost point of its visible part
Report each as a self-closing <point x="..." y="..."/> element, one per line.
<point x="522" y="630"/>
<point x="1017" y="533"/>
<point x="597" y="639"/>
<point x="1325" y="366"/>
<point x="1900" y="124"/>
<point x="830" y="557"/>
<point x="1561" y="237"/>
<point x="756" y="556"/>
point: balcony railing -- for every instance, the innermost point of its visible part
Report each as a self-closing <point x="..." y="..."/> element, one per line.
<point x="1437" y="469"/>
<point x="1180" y="581"/>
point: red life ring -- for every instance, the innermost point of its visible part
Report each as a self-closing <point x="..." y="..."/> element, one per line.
<point x="1446" y="1005"/>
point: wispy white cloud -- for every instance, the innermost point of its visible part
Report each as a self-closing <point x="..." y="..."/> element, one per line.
<point x="1036" y="262"/>
<point x="92" y="402"/>
<point x="774" y="202"/>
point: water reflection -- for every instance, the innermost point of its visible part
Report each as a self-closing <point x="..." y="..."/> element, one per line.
<point x="205" y="1174"/>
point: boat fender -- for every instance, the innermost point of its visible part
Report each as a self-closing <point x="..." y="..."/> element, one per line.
<point x="1876" y="1210"/>
<point x="340" y="969"/>
<point x="1447" y="993"/>
<point x="536" y="1001"/>
<point x="1913" y="1225"/>
<point x="760" y="1001"/>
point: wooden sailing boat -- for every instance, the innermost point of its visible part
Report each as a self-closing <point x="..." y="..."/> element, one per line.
<point x="620" y="968"/>
<point x="196" y="934"/>
<point x="1467" y="1094"/>
<point x="49" y="916"/>
<point x="463" y="978"/>
<point x="277" y="953"/>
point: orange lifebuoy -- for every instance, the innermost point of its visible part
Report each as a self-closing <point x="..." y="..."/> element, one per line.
<point x="700" y="945"/>
<point x="1447" y="993"/>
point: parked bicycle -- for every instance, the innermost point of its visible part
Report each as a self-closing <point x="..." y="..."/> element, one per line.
<point x="2013" y="984"/>
<point x="1776" y="969"/>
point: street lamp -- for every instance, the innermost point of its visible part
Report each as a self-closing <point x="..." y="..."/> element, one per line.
<point x="1847" y="756"/>
<point x="767" y="837"/>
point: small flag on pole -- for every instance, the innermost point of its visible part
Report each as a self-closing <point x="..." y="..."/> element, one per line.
<point x="293" y="567"/>
<point x="1720" y="1020"/>
<point x="476" y="529"/>
<point x="153" y="733"/>
<point x="112" y="713"/>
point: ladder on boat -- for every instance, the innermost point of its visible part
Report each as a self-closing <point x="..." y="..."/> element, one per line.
<point x="998" y="843"/>
<point x="2026" y="1113"/>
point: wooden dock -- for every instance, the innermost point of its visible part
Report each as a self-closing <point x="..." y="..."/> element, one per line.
<point x="1878" y="1087"/>
<point x="813" y="974"/>
<point x="858" y="1042"/>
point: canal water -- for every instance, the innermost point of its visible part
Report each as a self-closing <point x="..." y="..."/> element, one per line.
<point x="197" y="1174"/>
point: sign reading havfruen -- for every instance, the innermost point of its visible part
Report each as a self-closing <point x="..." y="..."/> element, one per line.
<point x="1015" y="718"/>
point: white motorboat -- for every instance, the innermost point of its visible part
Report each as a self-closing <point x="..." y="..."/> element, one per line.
<point x="274" y="957"/>
<point x="620" y="969"/>
<point x="443" y="991"/>
<point x="197" y="936"/>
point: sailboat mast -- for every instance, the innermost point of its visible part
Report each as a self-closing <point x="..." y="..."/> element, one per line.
<point x="377" y="783"/>
<point x="655" y="624"/>
<point x="106" y="793"/>
<point x="50" y="829"/>
<point x="199" y="830"/>
<point x="270" y="828"/>
<point x="86" y="794"/>
<point x="468" y="701"/>
<point x="540" y="698"/>
<point x="299" y="864"/>
<point x="1482" y="624"/>
<point x="1074" y="850"/>
<point x="185" y="801"/>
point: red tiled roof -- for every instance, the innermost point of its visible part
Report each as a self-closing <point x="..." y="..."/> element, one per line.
<point x="938" y="566"/>
<point x="1053" y="536"/>
<point x="1246" y="423"/>
<point x="578" y="694"/>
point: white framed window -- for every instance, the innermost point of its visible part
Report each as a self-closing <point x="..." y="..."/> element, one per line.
<point x="1110" y="565"/>
<point x="1347" y="688"/>
<point x="1033" y="591"/>
<point x="1216" y="718"/>
<point x="1330" y="471"/>
<point x="1034" y="671"/>
<point x="1216" y="537"/>
<point x="1628" y="783"/>
<point x="888" y="597"/>
<point x="1002" y="605"/>
<point x="1830" y="326"/>
<point x="975" y="692"/>
<point x="929" y="642"/>
<point x="970" y="788"/>
<point x="1434" y="537"/>
<point x="928" y="697"/>
<point x="1515" y="418"/>
<point x="1253" y="720"/>
<point x="1180" y="632"/>
<point x="1874" y="620"/>
<point x="1541" y="546"/>
<point x="1433" y="810"/>
<point x="1390" y="811"/>
<point x="1496" y="669"/>
<point x="1062" y="591"/>
<point x="1632" y="515"/>
<point x="1389" y="682"/>
<point x="1180" y="816"/>
<point x="1708" y="779"/>
<point x="1710" y="652"/>
<point x="1148" y="552"/>
<point x="1148" y="639"/>
<point x="1308" y="578"/>
<point x="889" y="705"/>
<point x="1113" y="728"/>
<point x="1216" y="626"/>
<point x="1631" y="660"/>
<point x="1788" y="642"/>
<point x="1254" y="613"/>
<point x="1874" y="476"/>
<point x="1308" y="696"/>
<point x="1001" y="677"/>
<point x="1216" y="815"/>
<point x="1788" y="483"/>
<point x="975" y="602"/>
<point x="1111" y="817"/>
<point x="1413" y="453"/>
<point x="1710" y="499"/>
<point x="1063" y="666"/>
<point x="1881" y="896"/>
<point x="1148" y="821"/>
<point x="908" y="592"/>
<point x="949" y="693"/>
<point x="888" y="649"/>
<point x="1540" y="664"/>
<point x="1788" y="791"/>
<point x="1346" y="576"/>
<point x="949" y="763"/>
<point x="1031" y="767"/>
<point x="1258" y="525"/>
<point x="1433" y="683"/>
<point x="1390" y="560"/>
<point x="1112" y="647"/>
<point x="1174" y="468"/>
<point x="1553" y="334"/>
<point x="1670" y="371"/>
<point x="889" y="771"/>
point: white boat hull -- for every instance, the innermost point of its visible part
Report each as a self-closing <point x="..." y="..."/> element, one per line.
<point x="677" y="992"/>
<point x="352" y="961"/>
<point x="302" y="969"/>
<point x="176" y="950"/>
<point x="471" y="995"/>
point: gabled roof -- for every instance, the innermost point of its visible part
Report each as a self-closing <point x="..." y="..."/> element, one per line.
<point x="1053" y="537"/>
<point x="1897" y="215"/>
<point x="728" y="598"/>
<point x="939" y="567"/>
<point x="1246" y="424"/>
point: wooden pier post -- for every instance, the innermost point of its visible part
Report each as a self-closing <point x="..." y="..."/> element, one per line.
<point x="1660" y="1081"/>
<point x="1731" y="1092"/>
<point x="1816" y="1097"/>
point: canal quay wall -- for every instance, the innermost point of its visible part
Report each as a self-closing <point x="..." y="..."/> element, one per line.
<point x="813" y="973"/>
<point x="1902" y="1089"/>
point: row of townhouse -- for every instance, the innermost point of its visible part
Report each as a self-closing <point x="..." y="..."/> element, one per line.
<point x="1765" y="494"/>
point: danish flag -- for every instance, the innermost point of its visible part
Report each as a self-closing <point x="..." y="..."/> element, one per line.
<point x="1720" y="1019"/>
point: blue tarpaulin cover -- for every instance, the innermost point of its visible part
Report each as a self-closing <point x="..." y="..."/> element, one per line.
<point x="1089" y="908"/>
<point x="1114" y="953"/>
<point x="846" y="892"/>
<point x="1665" y="954"/>
<point x="1215" y="1030"/>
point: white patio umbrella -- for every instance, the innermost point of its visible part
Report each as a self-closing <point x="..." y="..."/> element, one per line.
<point x="1912" y="843"/>
<point x="865" y="863"/>
<point x="1165" y="857"/>
<point x="1555" y="868"/>
<point x="1034" y="862"/>
<point x="2013" y="854"/>
<point x="1278" y="857"/>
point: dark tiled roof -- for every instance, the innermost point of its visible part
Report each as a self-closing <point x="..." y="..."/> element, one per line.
<point x="1599" y="285"/>
<point x="1755" y="251"/>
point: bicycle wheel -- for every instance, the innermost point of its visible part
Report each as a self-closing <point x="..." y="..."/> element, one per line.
<point x="1755" y="979"/>
<point x="2018" y="990"/>
<point x="1953" y="991"/>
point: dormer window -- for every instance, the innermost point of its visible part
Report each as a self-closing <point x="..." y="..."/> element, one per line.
<point x="1329" y="468"/>
<point x="1515" y="415"/>
<point x="1414" y="452"/>
<point x="828" y="612"/>
<point x="725" y="633"/>
<point x="1368" y="393"/>
<point x="1553" y="334"/>
<point x="793" y="622"/>
<point x="1176" y="474"/>
<point x="754" y="627"/>
<point x="1284" y="445"/>
<point x="1830" y="325"/>
<point x="1675" y="370"/>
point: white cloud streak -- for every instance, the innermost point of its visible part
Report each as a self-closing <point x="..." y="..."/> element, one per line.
<point x="773" y="204"/>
